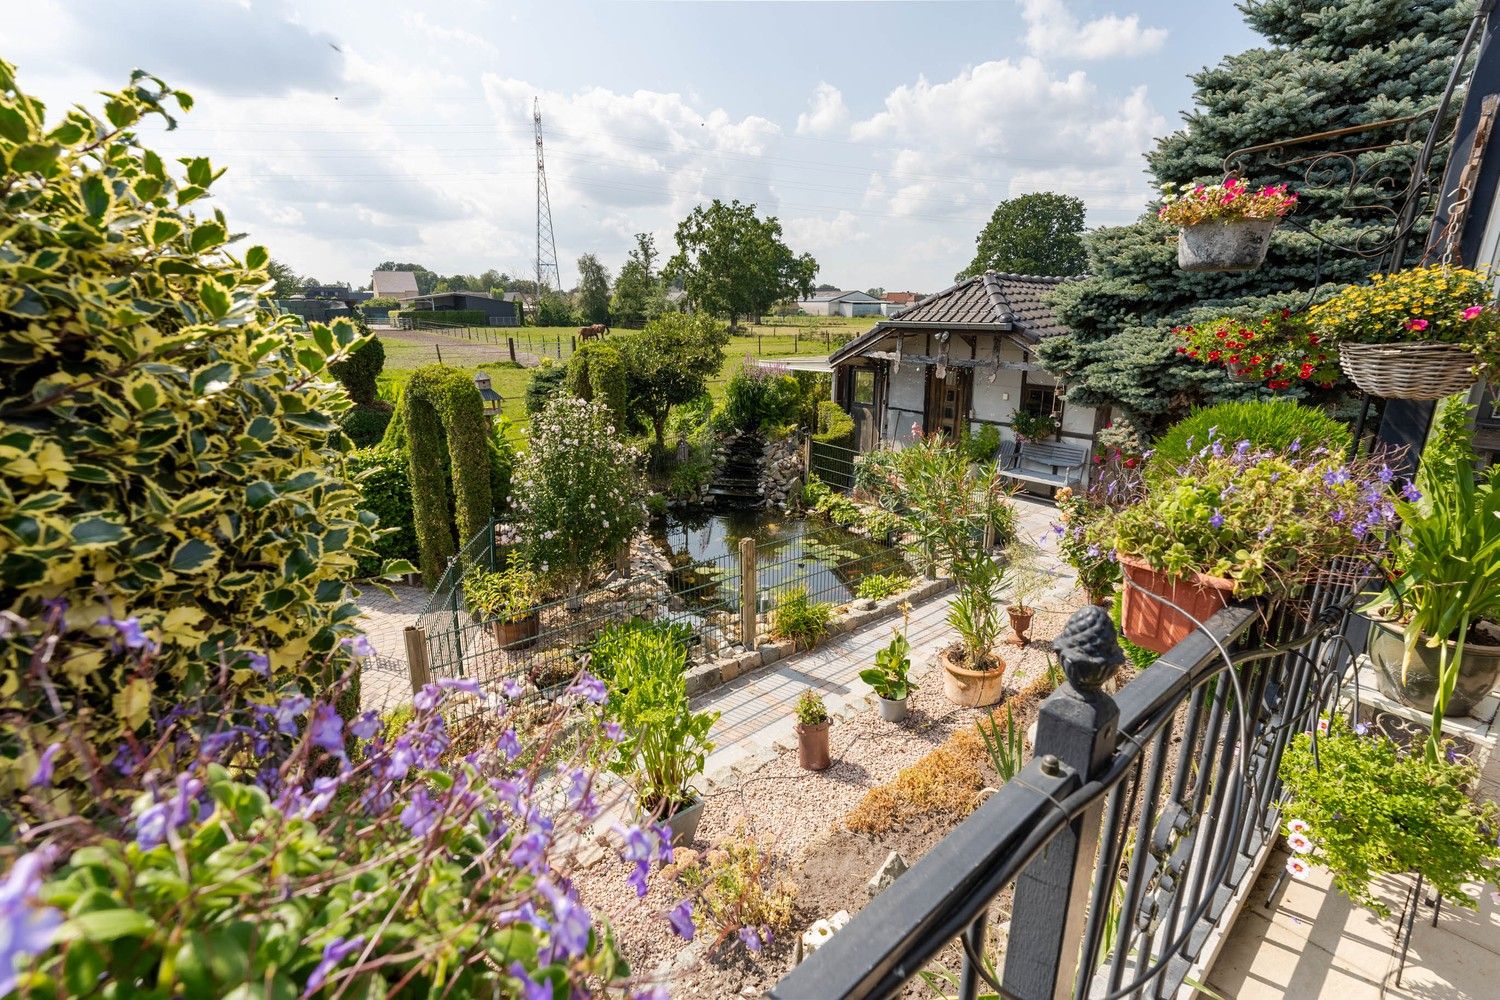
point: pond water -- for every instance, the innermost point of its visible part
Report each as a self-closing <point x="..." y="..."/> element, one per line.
<point x="825" y="559"/>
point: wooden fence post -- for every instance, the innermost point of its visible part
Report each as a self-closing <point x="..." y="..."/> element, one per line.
<point x="511" y="341"/>
<point x="416" y="657"/>
<point x="806" y="458"/>
<point x="749" y="592"/>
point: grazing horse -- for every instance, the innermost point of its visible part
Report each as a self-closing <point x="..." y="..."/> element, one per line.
<point x="594" y="331"/>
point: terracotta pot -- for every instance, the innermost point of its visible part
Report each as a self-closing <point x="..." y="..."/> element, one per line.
<point x="1020" y="623"/>
<point x="1235" y="245"/>
<point x="812" y="746"/>
<point x="972" y="688"/>
<point x="684" y="823"/>
<point x="517" y="634"/>
<point x="1154" y="625"/>
<point x="1476" y="675"/>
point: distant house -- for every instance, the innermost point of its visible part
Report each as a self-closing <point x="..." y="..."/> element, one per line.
<point x="339" y="293"/>
<point x="892" y="303"/>
<point x="956" y="361"/>
<point x="836" y="303"/>
<point x="394" y="284"/>
<point x="499" y="312"/>
<point x="313" y="310"/>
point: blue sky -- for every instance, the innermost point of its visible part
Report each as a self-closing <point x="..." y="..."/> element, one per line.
<point x="881" y="134"/>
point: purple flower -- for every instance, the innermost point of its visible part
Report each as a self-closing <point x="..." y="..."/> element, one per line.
<point x="1295" y="446"/>
<point x="637" y="878"/>
<point x="327" y="729"/>
<point x="580" y="794"/>
<point x="420" y="814"/>
<point x="359" y="645"/>
<point x="509" y="745"/>
<point x="656" y="991"/>
<point x="1410" y="492"/>
<point x="530" y="851"/>
<point x="25" y="928"/>
<point x="1335" y="477"/>
<point x="681" y="919"/>
<point x="398" y="761"/>
<point x="613" y="732"/>
<point x="151" y="826"/>
<point x="750" y="939"/>
<point x="570" y="923"/>
<point x="215" y="744"/>
<point x="334" y="952"/>
<point x="530" y="988"/>
<point x="131" y="635"/>
<point x="289" y="710"/>
<point x="590" y="688"/>
<point x="43" y="776"/>
<point x="365" y="726"/>
<point x="1386" y="475"/>
<point x="261" y="664"/>
<point x="464" y="684"/>
<point x="511" y="687"/>
<point x="1361" y="729"/>
<point x="430" y="697"/>
<point x="1217" y="520"/>
<point x="639" y="844"/>
<point x="324" y="790"/>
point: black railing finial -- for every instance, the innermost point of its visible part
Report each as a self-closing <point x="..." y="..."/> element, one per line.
<point x="1089" y="648"/>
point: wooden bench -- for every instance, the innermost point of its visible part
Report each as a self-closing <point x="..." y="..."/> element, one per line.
<point x="1049" y="463"/>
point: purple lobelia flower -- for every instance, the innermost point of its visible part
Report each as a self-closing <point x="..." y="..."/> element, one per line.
<point x="42" y="778"/>
<point x="530" y="988"/>
<point x="26" y="929"/>
<point x="509" y="745"/>
<point x="360" y="646"/>
<point x="681" y="919"/>
<point x="1217" y="520"/>
<point x="640" y="845"/>
<point x="334" y="952"/>
<point x="590" y="689"/>
<point x="327" y="730"/>
<point x="571" y="923"/>
<point x="421" y="813"/>
<point x="1410" y="492"/>
<point x="131" y="634"/>
<point x="637" y="878"/>
<point x="289" y="710"/>
<point x="365" y="726"/>
<point x="261" y="664"/>
<point x="750" y="938"/>
<point x="465" y="684"/>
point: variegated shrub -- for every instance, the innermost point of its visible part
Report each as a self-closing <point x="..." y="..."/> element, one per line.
<point x="171" y="472"/>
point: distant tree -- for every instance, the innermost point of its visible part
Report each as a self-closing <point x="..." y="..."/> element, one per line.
<point x="876" y="292"/>
<point x="288" y="282"/>
<point x="593" y="289"/>
<point x="425" y="279"/>
<point x="639" y="295"/>
<point x="555" y="310"/>
<point x="1037" y="233"/>
<point x="669" y="363"/>
<point x="827" y="288"/>
<point x="443" y="286"/>
<point x="734" y="264"/>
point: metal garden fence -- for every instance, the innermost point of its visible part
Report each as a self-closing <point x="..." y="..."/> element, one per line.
<point x="833" y="464"/>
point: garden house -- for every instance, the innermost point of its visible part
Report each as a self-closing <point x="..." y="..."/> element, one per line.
<point x="956" y="361"/>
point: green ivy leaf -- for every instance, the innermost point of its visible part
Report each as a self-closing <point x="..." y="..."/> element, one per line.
<point x="192" y="556"/>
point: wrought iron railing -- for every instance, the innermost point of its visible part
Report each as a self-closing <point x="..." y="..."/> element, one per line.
<point x="1119" y="848"/>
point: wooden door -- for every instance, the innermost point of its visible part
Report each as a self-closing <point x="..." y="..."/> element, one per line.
<point x="864" y="406"/>
<point x="948" y="401"/>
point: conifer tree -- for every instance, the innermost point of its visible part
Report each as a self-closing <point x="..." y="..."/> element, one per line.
<point x="1327" y="65"/>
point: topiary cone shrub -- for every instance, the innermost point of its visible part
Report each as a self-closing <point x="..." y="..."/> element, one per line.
<point x="173" y="469"/>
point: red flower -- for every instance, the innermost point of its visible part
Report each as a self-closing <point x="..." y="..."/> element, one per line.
<point x="1234" y="359"/>
<point x="1130" y="463"/>
<point x="1305" y="372"/>
<point x="1416" y="324"/>
<point x="1214" y="355"/>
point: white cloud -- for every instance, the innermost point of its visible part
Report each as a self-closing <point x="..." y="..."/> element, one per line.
<point x="827" y="112"/>
<point x="1054" y="30"/>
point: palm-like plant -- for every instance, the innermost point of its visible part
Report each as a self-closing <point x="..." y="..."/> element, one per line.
<point x="975" y="613"/>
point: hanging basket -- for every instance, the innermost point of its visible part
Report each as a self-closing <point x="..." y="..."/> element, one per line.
<point x="1408" y="371"/>
<point x="1239" y="245"/>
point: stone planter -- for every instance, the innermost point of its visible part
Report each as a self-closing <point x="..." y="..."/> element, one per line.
<point x="684" y="823"/>
<point x="1476" y="676"/>
<point x="971" y="688"/>
<point x="1020" y="623"/>
<point x="517" y="634"/>
<point x="1151" y="623"/>
<point x="812" y="746"/>
<point x="1238" y="245"/>
<point x="893" y="709"/>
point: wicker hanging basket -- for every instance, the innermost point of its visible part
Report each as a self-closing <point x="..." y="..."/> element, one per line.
<point x="1408" y="371"/>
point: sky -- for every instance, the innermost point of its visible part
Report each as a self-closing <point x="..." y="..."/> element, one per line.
<point x="881" y="134"/>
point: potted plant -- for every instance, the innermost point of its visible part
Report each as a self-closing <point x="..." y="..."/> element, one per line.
<point x="1421" y="333"/>
<point x="1225" y="226"/>
<point x="506" y="601"/>
<point x="973" y="675"/>
<point x="812" y="732"/>
<point x="1280" y="350"/>
<point x="1031" y="427"/>
<point x="1363" y="809"/>
<point x="1236" y="522"/>
<point x="664" y="744"/>
<point x="1433" y="639"/>
<point x="1026" y="581"/>
<point x="1083" y="533"/>
<point x="890" y="677"/>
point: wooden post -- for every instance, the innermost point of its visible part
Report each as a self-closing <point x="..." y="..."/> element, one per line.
<point x="622" y="560"/>
<point x="806" y="458"/>
<point x="989" y="535"/>
<point x="416" y="657"/>
<point x="573" y="345"/>
<point x="749" y="591"/>
<point x="511" y="342"/>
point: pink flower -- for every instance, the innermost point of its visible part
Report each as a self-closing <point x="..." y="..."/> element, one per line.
<point x="1416" y="324"/>
<point x="1297" y="867"/>
<point x="1299" y="842"/>
<point x="1297" y="826"/>
<point x="1473" y="312"/>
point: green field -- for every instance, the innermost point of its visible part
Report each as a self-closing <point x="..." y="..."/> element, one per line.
<point x="408" y="350"/>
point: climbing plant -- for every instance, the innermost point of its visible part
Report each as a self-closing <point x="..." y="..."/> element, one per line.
<point x="597" y="372"/>
<point x="448" y="460"/>
<point x="173" y="470"/>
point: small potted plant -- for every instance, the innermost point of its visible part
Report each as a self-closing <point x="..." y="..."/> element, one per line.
<point x="1032" y="427"/>
<point x="1421" y="333"/>
<point x="812" y="732"/>
<point x="1363" y="809"/>
<point x="1432" y="639"/>
<point x="973" y="675"/>
<point x="1235" y="522"/>
<point x="508" y="602"/>
<point x="1225" y="226"/>
<point x="1281" y="350"/>
<point x="1026" y="581"/>
<point x="890" y="677"/>
<point x="664" y="744"/>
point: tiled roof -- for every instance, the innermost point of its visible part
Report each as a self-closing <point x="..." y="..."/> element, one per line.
<point x="394" y="283"/>
<point x="1007" y="303"/>
<point x="901" y="298"/>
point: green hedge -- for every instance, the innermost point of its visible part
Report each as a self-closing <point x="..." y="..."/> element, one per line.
<point x="543" y="386"/>
<point x="446" y="429"/>
<point x="834" y="425"/>
<point x="366" y="425"/>
<point x="597" y="372"/>
<point x="384" y="482"/>
<point x="462" y="317"/>
<point x="357" y="373"/>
